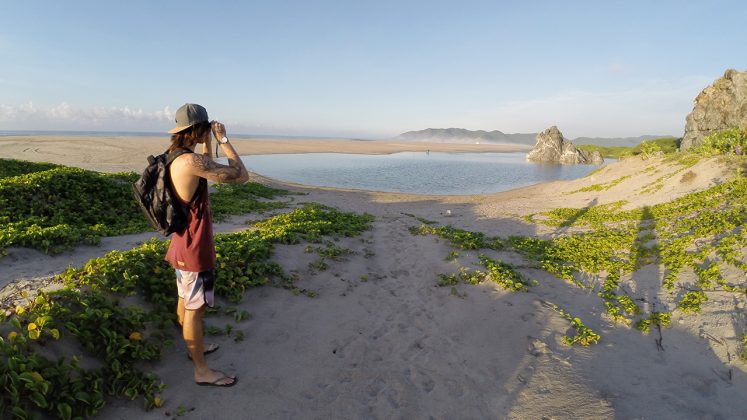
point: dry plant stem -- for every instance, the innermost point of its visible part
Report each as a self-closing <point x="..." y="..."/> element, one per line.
<point x="659" y="345"/>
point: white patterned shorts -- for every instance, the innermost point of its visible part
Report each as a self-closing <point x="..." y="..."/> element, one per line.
<point x="196" y="288"/>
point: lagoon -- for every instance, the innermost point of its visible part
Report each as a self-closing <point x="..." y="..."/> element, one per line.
<point x="413" y="172"/>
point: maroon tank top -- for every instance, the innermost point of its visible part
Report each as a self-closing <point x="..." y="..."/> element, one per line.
<point x="194" y="248"/>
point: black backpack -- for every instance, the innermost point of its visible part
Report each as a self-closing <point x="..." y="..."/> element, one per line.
<point x="153" y="192"/>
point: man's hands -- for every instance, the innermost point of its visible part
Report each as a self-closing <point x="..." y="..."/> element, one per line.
<point x="219" y="130"/>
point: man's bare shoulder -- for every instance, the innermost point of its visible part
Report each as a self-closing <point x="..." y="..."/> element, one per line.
<point x="199" y="162"/>
<point x="205" y="167"/>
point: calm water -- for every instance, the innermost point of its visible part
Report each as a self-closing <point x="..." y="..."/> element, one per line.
<point x="413" y="172"/>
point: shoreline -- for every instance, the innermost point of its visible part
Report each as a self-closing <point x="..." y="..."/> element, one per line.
<point x="115" y="154"/>
<point x="380" y="339"/>
<point x="120" y="153"/>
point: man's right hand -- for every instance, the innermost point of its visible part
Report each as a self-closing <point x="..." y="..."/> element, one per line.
<point x="219" y="130"/>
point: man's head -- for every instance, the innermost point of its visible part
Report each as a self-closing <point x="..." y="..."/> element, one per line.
<point x="189" y="115"/>
<point x="192" y="126"/>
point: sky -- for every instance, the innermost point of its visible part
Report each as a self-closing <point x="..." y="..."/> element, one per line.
<point x="365" y="69"/>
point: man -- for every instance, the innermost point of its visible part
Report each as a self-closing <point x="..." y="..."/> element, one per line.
<point x="192" y="252"/>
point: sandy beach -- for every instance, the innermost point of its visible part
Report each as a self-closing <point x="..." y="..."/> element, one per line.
<point x="112" y="154"/>
<point x="396" y="346"/>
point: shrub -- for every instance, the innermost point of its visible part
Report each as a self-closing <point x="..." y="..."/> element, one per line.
<point x="723" y="142"/>
<point x="12" y="167"/>
<point x="665" y="144"/>
<point x="648" y="149"/>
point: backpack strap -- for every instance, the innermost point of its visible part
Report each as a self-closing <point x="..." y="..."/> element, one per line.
<point x="170" y="156"/>
<point x="201" y="188"/>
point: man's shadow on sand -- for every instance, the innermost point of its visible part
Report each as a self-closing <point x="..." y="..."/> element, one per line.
<point x="647" y="368"/>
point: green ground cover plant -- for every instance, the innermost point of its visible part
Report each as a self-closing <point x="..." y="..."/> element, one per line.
<point x="95" y="311"/>
<point x="702" y="233"/>
<point x="505" y="275"/>
<point x="722" y="142"/>
<point x="660" y="319"/>
<point x="611" y="152"/>
<point x="53" y="208"/>
<point x="602" y="187"/>
<point x="231" y="199"/>
<point x="453" y="255"/>
<point x="697" y="231"/>
<point x="330" y="251"/>
<point x="501" y="273"/>
<point x="658" y="183"/>
<point x="13" y="167"/>
<point x="584" y="335"/>
<point x="664" y="144"/>
<point x="460" y="238"/>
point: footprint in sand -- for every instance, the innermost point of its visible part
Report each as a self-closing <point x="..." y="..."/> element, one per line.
<point x="417" y="348"/>
<point x="454" y="388"/>
<point x="428" y="384"/>
<point x="279" y="337"/>
<point x="374" y="387"/>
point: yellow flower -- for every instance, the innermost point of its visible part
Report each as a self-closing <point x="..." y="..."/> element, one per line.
<point x="55" y="333"/>
<point x="20" y="310"/>
<point x="158" y="401"/>
<point x="37" y="377"/>
<point x="32" y="326"/>
<point x="12" y="335"/>
<point x="136" y="336"/>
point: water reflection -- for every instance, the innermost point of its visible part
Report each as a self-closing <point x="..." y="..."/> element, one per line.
<point x="413" y="172"/>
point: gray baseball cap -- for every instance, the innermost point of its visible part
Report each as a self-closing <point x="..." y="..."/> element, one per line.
<point x="188" y="115"/>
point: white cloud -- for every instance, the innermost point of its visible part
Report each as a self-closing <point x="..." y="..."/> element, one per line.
<point x="657" y="108"/>
<point x="68" y="117"/>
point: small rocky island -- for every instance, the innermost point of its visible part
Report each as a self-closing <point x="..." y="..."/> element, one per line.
<point x="551" y="147"/>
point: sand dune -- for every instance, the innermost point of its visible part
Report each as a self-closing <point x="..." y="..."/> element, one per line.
<point x="396" y="346"/>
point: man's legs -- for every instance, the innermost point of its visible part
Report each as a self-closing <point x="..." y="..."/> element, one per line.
<point x="180" y="311"/>
<point x="190" y="285"/>
<point x="192" y="332"/>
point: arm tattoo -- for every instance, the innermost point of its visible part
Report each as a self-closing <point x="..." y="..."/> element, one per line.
<point x="204" y="164"/>
<point x="216" y="172"/>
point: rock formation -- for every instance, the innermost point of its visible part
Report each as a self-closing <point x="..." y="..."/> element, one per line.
<point x="551" y="147"/>
<point x="721" y="106"/>
<point x="595" y="157"/>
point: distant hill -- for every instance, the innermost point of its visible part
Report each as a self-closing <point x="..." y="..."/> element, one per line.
<point x="461" y="135"/>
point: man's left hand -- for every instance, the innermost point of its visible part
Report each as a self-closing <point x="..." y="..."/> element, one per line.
<point x="219" y="130"/>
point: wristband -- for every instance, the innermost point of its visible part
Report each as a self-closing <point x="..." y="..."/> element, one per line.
<point x="223" y="140"/>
